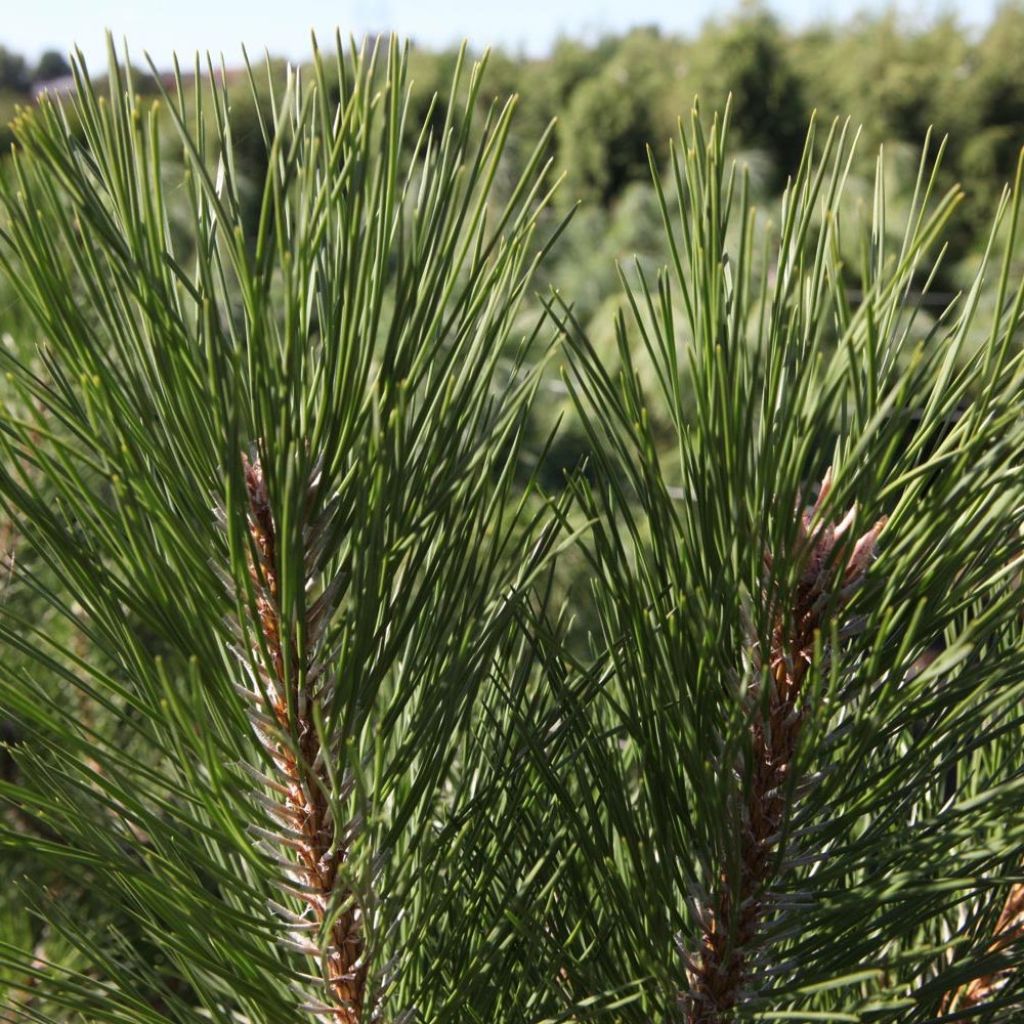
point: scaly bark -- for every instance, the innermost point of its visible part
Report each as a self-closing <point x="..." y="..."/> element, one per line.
<point x="312" y="844"/>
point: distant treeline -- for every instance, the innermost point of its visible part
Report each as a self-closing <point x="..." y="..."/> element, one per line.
<point x="19" y="76"/>
<point x="896" y="75"/>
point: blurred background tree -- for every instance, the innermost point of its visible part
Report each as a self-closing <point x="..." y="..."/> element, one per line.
<point x="748" y="57"/>
<point x="52" y="65"/>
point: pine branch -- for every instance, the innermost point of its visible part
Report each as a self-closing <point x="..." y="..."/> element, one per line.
<point x="294" y="686"/>
<point x="831" y="574"/>
<point x="20" y="996"/>
<point x="369" y="315"/>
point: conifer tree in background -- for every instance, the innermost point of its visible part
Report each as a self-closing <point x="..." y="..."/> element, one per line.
<point x="303" y="727"/>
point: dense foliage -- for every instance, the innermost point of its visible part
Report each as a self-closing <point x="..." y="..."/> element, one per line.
<point x="408" y="614"/>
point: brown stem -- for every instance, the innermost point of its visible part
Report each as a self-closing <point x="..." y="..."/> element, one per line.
<point x="6" y="552"/>
<point x="303" y="809"/>
<point x="733" y="922"/>
<point x="1009" y="929"/>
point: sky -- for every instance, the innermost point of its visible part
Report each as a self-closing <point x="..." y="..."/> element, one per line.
<point x="161" y="28"/>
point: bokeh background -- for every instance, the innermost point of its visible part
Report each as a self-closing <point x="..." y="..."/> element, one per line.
<point x="615" y="78"/>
